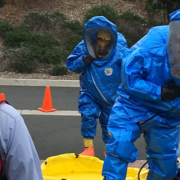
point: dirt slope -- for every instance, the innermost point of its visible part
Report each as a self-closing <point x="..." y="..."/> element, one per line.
<point x="14" y="10"/>
<point x="73" y="9"/>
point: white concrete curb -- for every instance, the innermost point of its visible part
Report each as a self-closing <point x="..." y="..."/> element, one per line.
<point x="55" y="113"/>
<point x="39" y="82"/>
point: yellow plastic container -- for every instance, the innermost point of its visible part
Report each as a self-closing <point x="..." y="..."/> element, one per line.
<point x="73" y="167"/>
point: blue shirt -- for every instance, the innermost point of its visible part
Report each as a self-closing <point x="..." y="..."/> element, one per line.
<point x="19" y="156"/>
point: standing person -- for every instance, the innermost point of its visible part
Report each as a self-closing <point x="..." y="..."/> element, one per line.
<point x="98" y="59"/>
<point x="148" y="103"/>
<point x="18" y="157"/>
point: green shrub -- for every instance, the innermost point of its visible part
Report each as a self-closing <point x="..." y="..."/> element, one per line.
<point x="15" y="37"/>
<point x="71" y="41"/>
<point x="46" y="55"/>
<point x="42" y="47"/>
<point x="43" y="40"/>
<point x="44" y="22"/>
<point x="131" y="37"/>
<point x="35" y="21"/>
<point x="64" y="54"/>
<point x="2" y="2"/>
<point x="152" y="23"/>
<point x="37" y="17"/>
<point x="23" y="28"/>
<point x="102" y="10"/>
<point x="5" y="27"/>
<point x="59" y="70"/>
<point x="55" y="24"/>
<point x="74" y="27"/>
<point x="68" y="44"/>
<point x="131" y="16"/>
<point x="132" y="26"/>
<point x="52" y="56"/>
<point x="21" y="60"/>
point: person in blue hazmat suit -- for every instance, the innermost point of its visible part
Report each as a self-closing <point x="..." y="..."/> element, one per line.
<point x="98" y="58"/>
<point x="148" y="103"/>
<point x="18" y="157"/>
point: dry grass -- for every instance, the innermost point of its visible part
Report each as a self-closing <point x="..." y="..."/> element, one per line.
<point x="74" y="10"/>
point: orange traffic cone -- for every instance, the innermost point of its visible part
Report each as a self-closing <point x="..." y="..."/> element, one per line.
<point x="47" y="103"/>
<point x="2" y="97"/>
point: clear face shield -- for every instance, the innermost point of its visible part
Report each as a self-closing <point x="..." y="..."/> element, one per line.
<point x="99" y="41"/>
<point x="173" y="48"/>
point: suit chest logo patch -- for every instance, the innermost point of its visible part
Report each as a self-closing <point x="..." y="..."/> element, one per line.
<point x="108" y="71"/>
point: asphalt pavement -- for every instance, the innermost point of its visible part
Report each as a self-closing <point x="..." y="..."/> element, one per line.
<point x="31" y="97"/>
<point x="54" y="133"/>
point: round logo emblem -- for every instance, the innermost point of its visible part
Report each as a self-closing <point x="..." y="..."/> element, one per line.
<point x="108" y="71"/>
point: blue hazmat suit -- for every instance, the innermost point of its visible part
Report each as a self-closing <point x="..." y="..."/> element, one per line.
<point x="99" y="80"/>
<point x="19" y="157"/>
<point x="139" y="109"/>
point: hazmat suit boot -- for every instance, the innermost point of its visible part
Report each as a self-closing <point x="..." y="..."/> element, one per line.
<point x="105" y="154"/>
<point x="88" y="148"/>
<point x="88" y="151"/>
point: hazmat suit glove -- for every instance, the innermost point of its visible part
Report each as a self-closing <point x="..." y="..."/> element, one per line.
<point x="87" y="59"/>
<point x="170" y="92"/>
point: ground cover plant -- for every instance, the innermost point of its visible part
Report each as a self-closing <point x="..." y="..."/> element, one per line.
<point x="50" y="38"/>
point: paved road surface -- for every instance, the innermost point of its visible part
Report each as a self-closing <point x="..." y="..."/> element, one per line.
<point x="52" y="134"/>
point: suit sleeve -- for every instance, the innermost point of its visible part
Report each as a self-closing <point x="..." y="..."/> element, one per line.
<point x="74" y="62"/>
<point x="135" y="70"/>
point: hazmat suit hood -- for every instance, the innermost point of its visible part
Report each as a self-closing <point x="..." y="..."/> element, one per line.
<point x="173" y="44"/>
<point x="100" y="30"/>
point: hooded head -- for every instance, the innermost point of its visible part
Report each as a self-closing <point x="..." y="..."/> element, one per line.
<point x="173" y="44"/>
<point x="100" y="36"/>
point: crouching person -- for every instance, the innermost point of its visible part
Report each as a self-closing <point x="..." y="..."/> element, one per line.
<point x="148" y="103"/>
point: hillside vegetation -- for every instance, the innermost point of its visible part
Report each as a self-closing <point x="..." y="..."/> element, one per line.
<point x="44" y="38"/>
